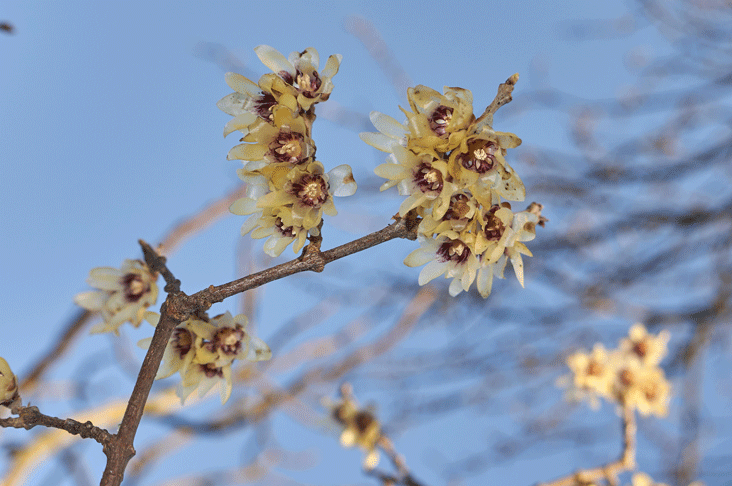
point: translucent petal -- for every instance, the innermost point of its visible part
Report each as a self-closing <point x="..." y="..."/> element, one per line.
<point x="247" y="152"/>
<point x="455" y="287"/>
<point x="274" y="60"/>
<point x="233" y="104"/>
<point x="331" y="66"/>
<point x="244" y="206"/>
<point x="226" y="385"/>
<point x="92" y="300"/>
<point x="433" y="270"/>
<point x="392" y="171"/>
<point x="240" y="122"/>
<point x="249" y="225"/>
<point x="388" y="125"/>
<point x="518" y="267"/>
<point x="341" y="182"/>
<point x="311" y="57"/>
<point x="258" y="350"/>
<point x="242" y="85"/>
<point x="419" y="257"/>
<point x="485" y="280"/>
<point x="274" y="246"/>
<point x="378" y="140"/>
<point x="105" y="278"/>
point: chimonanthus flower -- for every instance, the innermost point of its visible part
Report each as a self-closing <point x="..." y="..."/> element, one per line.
<point x="452" y="168"/>
<point x="308" y="193"/>
<point x="203" y="352"/>
<point x="359" y="428"/>
<point x="284" y="141"/>
<point x="123" y="296"/>
<point x="621" y="375"/>
<point x="649" y="348"/>
<point x="301" y="72"/>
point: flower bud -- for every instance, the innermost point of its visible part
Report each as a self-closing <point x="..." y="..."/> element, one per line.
<point x="8" y="384"/>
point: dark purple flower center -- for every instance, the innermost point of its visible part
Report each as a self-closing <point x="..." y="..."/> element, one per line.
<point x="440" y="119"/>
<point x="480" y="156"/>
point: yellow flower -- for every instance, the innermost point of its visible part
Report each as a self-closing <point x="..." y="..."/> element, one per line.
<point x="444" y="256"/>
<point x="649" y="348"/>
<point x="359" y="428"/>
<point x="593" y="374"/>
<point x="308" y="192"/>
<point x="644" y="388"/>
<point x="438" y="122"/>
<point x="301" y="72"/>
<point x="8" y="385"/>
<point x="421" y="177"/>
<point x="251" y="104"/>
<point x="123" y="296"/>
<point x="284" y="141"/>
<point x="203" y="352"/>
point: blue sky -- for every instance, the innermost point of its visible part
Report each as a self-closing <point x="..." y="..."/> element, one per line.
<point x="109" y="130"/>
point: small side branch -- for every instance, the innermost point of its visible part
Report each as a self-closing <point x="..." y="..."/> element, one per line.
<point x="29" y="417"/>
<point x="608" y="472"/>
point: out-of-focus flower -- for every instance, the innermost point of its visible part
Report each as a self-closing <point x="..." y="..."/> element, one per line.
<point x="124" y="294"/>
<point x="622" y="375"/>
<point x="359" y="427"/>
<point x="593" y="375"/>
<point x="643" y="479"/>
<point x="203" y="352"/>
<point x="642" y="387"/>
<point x="648" y="348"/>
<point x="8" y="385"/>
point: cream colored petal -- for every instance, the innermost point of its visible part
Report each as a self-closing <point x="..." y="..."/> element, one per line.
<point x="105" y="278"/>
<point x="518" y="266"/>
<point x="258" y="350"/>
<point x="92" y="300"/>
<point x="226" y="386"/>
<point x="388" y="125"/>
<point x="247" y="152"/>
<point x="378" y="140"/>
<point x="331" y="66"/>
<point x="311" y="57"/>
<point x="240" y="122"/>
<point x="274" y="60"/>
<point x="392" y="171"/>
<point x="485" y="280"/>
<point x="341" y="181"/>
<point x="244" y="206"/>
<point x="275" y="245"/>
<point x="433" y="270"/>
<point x="456" y="287"/>
<point x="233" y="104"/>
<point x="242" y="84"/>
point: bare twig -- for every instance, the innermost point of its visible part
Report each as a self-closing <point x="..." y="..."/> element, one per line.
<point x="610" y="471"/>
<point x="29" y="417"/>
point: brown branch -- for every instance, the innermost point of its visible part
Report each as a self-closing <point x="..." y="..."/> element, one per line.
<point x="311" y="260"/>
<point x="178" y="307"/>
<point x="29" y="417"/>
<point x="610" y="471"/>
<point x="502" y="97"/>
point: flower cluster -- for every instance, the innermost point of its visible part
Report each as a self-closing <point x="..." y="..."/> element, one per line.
<point x="203" y="350"/>
<point x="288" y="190"/>
<point x="452" y="167"/>
<point x="123" y="295"/>
<point x="629" y="375"/>
<point x="359" y="426"/>
<point x="8" y="386"/>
